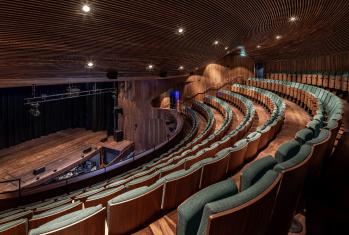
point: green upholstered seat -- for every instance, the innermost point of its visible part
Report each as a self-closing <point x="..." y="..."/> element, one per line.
<point x="287" y="150"/>
<point x="89" y="193"/>
<point x="304" y="135"/>
<point x="56" y="210"/>
<point x="315" y="126"/>
<point x="321" y="137"/>
<point x="253" y="135"/>
<point x="117" y="183"/>
<point x="255" y="171"/>
<point x="190" y="212"/>
<point x="241" y="143"/>
<point x="237" y="199"/>
<point x="300" y="156"/>
<point x="133" y="193"/>
<point x="16" y="216"/>
<point x="65" y="220"/>
<point x="54" y="204"/>
<point x="105" y="193"/>
<point x="331" y="124"/>
<point x="142" y="179"/>
<point x="10" y="212"/>
<point x="9" y="225"/>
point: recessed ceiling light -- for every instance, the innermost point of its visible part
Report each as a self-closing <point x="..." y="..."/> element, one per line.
<point x="226" y="48"/>
<point x="90" y="64"/>
<point x="181" y="67"/>
<point x="259" y="46"/>
<point x="86" y="8"/>
<point x="278" y="37"/>
<point x="150" y="67"/>
<point x="216" y="42"/>
<point x="293" y="19"/>
<point x="180" y="30"/>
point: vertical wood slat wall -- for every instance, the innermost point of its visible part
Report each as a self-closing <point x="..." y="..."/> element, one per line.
<point x="328" y="63"/>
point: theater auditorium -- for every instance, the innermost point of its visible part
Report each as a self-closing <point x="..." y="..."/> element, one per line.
<point x="154" y="117"/>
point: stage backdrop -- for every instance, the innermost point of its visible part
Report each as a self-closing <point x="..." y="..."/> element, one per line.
<point x="18" y="125"/>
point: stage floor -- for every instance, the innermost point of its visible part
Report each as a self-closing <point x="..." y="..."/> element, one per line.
<point x="57" y="152"/>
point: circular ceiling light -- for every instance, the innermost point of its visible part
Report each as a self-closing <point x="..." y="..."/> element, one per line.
<point x="278" y="37"/>
<point x="180" y="30"/>
<point x="259" y="46"/>
<point x="226" y="48"/>
<point x="150" y="67"/>
<point x="86" y="8"/>
<point x="90" y="64"/>
<point x="181" y="67"/>
<point x="293" y="19"/>
<point x="216" y="42"/>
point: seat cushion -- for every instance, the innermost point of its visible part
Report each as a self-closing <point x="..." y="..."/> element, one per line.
<point x="255" y="171"/>
<point x="304" y="135"/>
<point x="287" y="150"/>
<point x="190" y="212"/>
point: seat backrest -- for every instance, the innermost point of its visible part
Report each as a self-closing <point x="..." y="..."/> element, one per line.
<point x="247" y="212"/>
<point x="215" y="169"/>
<point x="190" y="211"/>
<point x="128" y="211"/>
<point x="180" y="185"/>
<point x="54" y="213"/>
<point x="104" y="196"/>
<point x="89" y="221"/>
<point x="17" y="227"/>
<point x="237" y="156"/>
<point x="294" y="169"/>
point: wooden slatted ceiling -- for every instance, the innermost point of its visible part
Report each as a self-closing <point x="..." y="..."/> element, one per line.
<point x="47" y="39"/>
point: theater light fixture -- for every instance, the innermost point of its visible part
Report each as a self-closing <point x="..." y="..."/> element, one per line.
<point x="90" y="64"/>
<point x="150" y="67"/>
<point x="293" y="19"/>
<point x="86" y="8"/>
<point x="180" y="30"/>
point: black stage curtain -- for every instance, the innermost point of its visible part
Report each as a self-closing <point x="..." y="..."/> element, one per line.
<point x="18" y="125"/>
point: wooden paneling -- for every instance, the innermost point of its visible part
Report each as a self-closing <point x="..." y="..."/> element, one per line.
<point x="54" y="39"/>
<point x="141" y="122"/>
<point x="327" y="63"/>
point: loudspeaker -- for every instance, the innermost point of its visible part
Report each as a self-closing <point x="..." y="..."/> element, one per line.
<point x="163" y="74"/>
<point x="89" y="149"/>
<point x="112" y="74"/>
<point x="118" y="110"/>
<point x="39" y="170"/>
<point x="118" y="135"/>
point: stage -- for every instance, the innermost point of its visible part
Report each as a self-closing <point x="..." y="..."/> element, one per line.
<point x="56" y="152"/>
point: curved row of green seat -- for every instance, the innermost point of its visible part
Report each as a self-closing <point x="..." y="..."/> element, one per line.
<point x="194" y="120"/>
<point x="276" y="107"/>
<point x="267" y="200"/>
<point x="330" y="107"/>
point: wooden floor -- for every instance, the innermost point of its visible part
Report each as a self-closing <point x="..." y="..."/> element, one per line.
<point x="295" y="119"/>
<point x="58" y="152"/>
